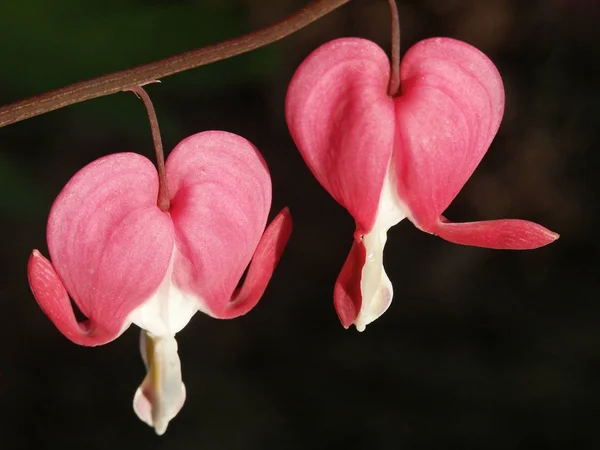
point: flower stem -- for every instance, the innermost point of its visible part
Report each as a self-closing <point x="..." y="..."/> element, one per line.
<point x="394" y="88"/>
<point x="118" y="81"/>
<point x="163" y="200"/>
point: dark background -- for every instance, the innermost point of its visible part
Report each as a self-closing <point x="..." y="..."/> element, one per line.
<point x="480" y="348"/>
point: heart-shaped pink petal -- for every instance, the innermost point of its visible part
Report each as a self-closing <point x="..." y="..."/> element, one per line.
<point x="109" y="245"/>
<point x="221" y="196"/>
<point x="450" y="109"/>
<point x="342" y="121"/>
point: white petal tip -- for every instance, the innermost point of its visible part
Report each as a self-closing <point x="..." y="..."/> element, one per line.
<point x="143" y="408"/>
<point x="160" y="427"/>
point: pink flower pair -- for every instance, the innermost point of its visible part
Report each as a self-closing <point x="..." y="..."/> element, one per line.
<point x="123" y="260"/>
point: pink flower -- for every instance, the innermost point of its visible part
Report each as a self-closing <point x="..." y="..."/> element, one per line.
<point x="388" y="158"/>
<point x="123" y="260"/>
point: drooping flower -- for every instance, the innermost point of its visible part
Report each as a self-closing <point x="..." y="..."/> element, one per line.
<point x="386" y="158"/>
<point x="123" y="260"/>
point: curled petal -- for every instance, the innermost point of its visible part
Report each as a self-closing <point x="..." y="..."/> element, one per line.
<point x="221" y="196"/>
<point x="109" y="243"/>
<point x="347" y="295"/>
<point x="265" y="259"/>
<point x="342" y="121"/>
<point x="449" y="112"/>
<point x="507" y="234"/>
<point x="52" y="297"/>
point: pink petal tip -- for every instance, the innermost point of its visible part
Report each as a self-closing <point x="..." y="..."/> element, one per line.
<point x="53" y="299"/>
<point x="347" y="294"/>
<point x="505" y="234"/>
<point x="265" y="259"/>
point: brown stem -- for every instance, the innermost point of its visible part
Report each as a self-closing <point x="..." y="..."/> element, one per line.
<point x="118" y="81"/>
<point x="163" y="201"/>
<point x="394" y="88"/>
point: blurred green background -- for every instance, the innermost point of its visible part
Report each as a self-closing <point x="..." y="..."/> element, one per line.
<point x="480" y="348"/>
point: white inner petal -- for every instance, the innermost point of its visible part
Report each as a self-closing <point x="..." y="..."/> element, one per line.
<point x="162" y="394"/>
<point x="168" y="310"/>
<point x="376" y="288"/>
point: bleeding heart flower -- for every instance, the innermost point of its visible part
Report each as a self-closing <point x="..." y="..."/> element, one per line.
<point x="123" y="260"/>
<point x="388" y="158"/>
